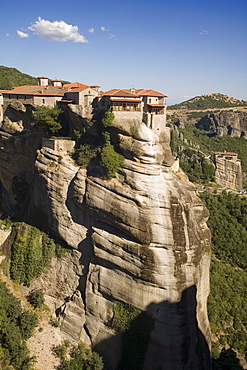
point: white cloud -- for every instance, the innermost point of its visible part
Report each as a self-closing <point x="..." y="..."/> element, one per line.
<point x="7" y="34"/>
<point x="22" y="35"/>
<point x="112" y="36"/>
<point x="91" y="30"/>
<point x="103" y="29"/>
<point x="204" y="32"/>
<point x="56" y="31"/>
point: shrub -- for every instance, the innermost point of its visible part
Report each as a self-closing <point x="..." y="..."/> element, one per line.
<point x="136" y="327"/>
<point x="108" y="119"/>
<point x="83" y="155"/>
<point x="208" y="171"/>
<point x="81" y="358"/>
<point x="6" y="224"/>
<point x="36" y="298"/>
<point x="124" y="314"/>
<point x="47" y="117"/>
<point x="31" y="254"/>
<point x="54" y="322"/>
<point x="27" y="322"/>
<point x="16" y="326"/>
<point x="111" y="160"/>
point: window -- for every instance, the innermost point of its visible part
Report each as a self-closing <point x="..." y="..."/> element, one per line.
<point x="43" y="101"/>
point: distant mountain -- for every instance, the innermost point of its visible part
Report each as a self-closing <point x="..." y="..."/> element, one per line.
<point x="12" y="77"/>
<point x="210" y="101"/>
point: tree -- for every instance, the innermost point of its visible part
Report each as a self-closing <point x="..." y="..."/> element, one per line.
<point x="208" y="171"/>
<point x="27" y="322"/>
<point x="111" y="160"/>
<point x="47" y="117"/>
<point x="36" y="298"/>
<point x="108" y="119"/>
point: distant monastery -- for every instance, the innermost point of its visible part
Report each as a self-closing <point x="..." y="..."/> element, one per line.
<point x="146" y="106"/>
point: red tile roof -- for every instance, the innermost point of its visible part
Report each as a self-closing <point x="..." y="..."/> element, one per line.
<point x="120" y="93"/>
<point x="75" y="89"/>
<point x="144" y="92"/>
<point x="225" y="153"/>
<point x="36" y="90"/>
<point x="140" y="92"/>
<point x="75" y="85"/>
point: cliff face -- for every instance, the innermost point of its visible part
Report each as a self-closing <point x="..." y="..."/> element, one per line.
<point x="225" y="123"/>
<point x="228" y="173"/>
<point x="140" y="238"/>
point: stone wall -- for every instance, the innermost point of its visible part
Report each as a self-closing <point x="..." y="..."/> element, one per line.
<point x="58" y="145"/>
<point x="49" y="101"/>
<point x="125" y="116"/>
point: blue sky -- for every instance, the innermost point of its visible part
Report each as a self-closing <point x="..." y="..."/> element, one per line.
<point x="181" y="48"/>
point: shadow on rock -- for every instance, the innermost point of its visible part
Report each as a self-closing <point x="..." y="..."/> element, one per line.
<point x="164" y="337"/>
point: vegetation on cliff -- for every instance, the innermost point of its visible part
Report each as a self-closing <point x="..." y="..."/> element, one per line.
<point x="135" y="326"/>
<point x="210" y="101"/>
<point x="48" y="118"/>
<point x="31" y="253"/>
<point x="16" y="326"/>
<point x="111" y="160"/>
<point x="227" y="304"/>
<point x="77" y="358"/>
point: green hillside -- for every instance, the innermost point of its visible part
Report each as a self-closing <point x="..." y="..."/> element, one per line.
<point x="11" y="77"/>
<point x="227" y="304"/>
<point x="210" y="101"/>
<point x="208" y="144"/>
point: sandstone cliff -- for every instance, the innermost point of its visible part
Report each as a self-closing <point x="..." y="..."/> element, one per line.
<point x="140" y="238"/>
<point x="225" y="123"/>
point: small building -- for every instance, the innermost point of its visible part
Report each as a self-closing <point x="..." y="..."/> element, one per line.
<point x="124" y="104"/>
<point x="58" y="145"/>
<point x="228" y="170"/>
<point x="147" y="106"/>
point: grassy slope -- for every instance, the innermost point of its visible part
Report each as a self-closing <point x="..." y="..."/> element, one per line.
<point x="11" y="77"/>
<point x="210" y="101"/>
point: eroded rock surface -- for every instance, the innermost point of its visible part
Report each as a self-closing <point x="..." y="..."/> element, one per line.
<point x="225" y="123"/>
<point x="140" y="238"/>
